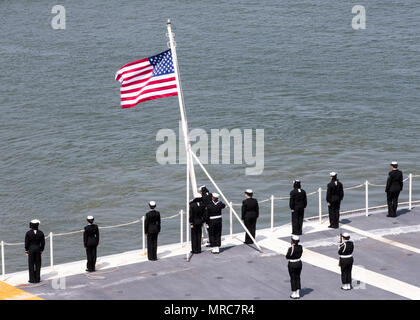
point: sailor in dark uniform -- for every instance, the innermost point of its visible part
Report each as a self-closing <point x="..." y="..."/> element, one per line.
<point x="205" y="195"/>
<point x="206" y="199"/>
<point x="250" y="213"/>
<point x="295" y="266"/>
<point x="335" y="194"/>
<point x="345" y="250"/>
<point x="213" y="218"/>
<point x="34" y="246"/>
<point x="196" y="222"/>
<point x="152" y="229"/>
<point x="394" y="185"/>
<point x="297" y="203"/>
<point x="91" y="241"/>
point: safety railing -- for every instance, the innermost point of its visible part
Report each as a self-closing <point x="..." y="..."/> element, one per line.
<point x="52" y="235"/>
<point x="181" y="213"/>
<point x="319" y="191"/>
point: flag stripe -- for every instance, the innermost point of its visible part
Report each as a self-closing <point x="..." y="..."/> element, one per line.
<point x="147" y="95"/>
<point x="151" y="85"/>
<point x="153" y="88"/>
<point x="150" y="98"/>
<point x="145" y="81"/>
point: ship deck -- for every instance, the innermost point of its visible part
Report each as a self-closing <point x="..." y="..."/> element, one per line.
<point x="387" y="256"/>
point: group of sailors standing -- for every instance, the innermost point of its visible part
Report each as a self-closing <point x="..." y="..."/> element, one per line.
<point x="334" y="196"/>
<point x="206" y="210"/>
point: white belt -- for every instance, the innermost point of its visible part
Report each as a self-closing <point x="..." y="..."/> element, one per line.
<point x="294" y="260"/>
<point x="215" y="217"/>
<point x="348" y="256"/>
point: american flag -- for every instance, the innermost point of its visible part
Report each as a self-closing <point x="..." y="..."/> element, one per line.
<point x="147" y="79"/>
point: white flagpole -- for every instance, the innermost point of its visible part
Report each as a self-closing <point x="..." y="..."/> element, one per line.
<point x="190" y="163"/>
<point x="182" y="109"/>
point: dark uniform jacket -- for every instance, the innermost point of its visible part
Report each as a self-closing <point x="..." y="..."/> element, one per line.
<point x="34" y="242"/>
<point x="297" y="199"/>
<point x="395" y="181"/>
<point x="250" y="208"/>
<point x="294" y="252"/>
<point x="335" y="192"/>
<point x="91" y="235"/>
<point x="197" y="209"/>
<point x="206" y="198"/>
<point x="213" y="209"/>
<point x="346" y="248"/>
<point x="152" y="222"/>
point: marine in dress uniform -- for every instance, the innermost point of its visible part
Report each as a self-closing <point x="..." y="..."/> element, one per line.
<point x="152" y="229"/>
<point x="295" y="266"/>
<point x="197" y="209"/>
<point x="335" y="194"/>
<point x="91" y="242"/>
<point x="213" y="218"/>
<point x="345" y="251"/>
<point x="34" y="246"/>
<point x="297" y="204"/>
<point x="394" y="185"/>
<point x="250" y="213"/>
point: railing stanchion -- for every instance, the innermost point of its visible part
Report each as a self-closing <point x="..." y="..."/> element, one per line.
<point x="320" y="204"/>
<point x="231" y="220"/>
<point x="367" y="197"/>
<point x="410" y="191"/>
<point x="51" y="250"/>
<point x="181" y="229"/>
<point x="272" y="213"/>
<point x="3" y="268"/>
<point x="143" y="234"/>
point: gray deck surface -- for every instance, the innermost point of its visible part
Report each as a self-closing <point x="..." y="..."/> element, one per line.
<point x="241" y="272"/>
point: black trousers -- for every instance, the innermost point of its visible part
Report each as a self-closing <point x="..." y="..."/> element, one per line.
<point x="250" y="224"/>
<point x="215" y="233"/>
<point x="346" y="265"/>
<point x="196" y="233"/>
<point x="295" y="268"/>
<point x="152" y="246"/>
<point x="34" y="264"/>
<point x="91" y="257"/>
<point x="392" y="199"/>
<point x="297" y="221"/>
<point x="334" y="214"/>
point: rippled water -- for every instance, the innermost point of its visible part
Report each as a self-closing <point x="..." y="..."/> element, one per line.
<point x="327" y="96"/>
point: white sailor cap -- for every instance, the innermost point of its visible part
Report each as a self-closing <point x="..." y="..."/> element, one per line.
<point x="152" y="203"/>
<point x="295" y="237"/>
<point x="249" y="191"/>
<point x="35" y="221"/>
<point x="89" y="218"/>
<point x="394" y="163"/>
<point x="345" y="235"/>
<point x="333" y="174"/>
<point x="297" y="180"/>
<point x="215" y="195"/>
<point x="203" y="186"/>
